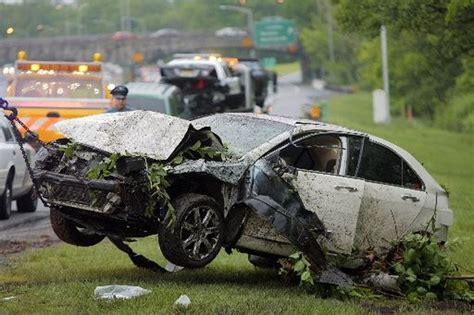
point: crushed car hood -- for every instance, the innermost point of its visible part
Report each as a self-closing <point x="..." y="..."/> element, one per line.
<point x="143" y="133"/>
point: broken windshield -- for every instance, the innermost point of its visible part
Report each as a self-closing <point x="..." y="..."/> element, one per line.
<point x="243" y="133"/>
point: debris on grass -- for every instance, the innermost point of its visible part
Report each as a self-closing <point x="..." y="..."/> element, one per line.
<point x="183" y="301"/>
<point x="110" y="292"/>
<point x="170" y="267"/>
<point x="416" y="267"/>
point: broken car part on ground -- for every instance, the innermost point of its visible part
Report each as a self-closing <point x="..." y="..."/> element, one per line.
<point x="264" y="185"/>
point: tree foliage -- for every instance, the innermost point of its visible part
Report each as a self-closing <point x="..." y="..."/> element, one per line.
<point x="427" y="42"/>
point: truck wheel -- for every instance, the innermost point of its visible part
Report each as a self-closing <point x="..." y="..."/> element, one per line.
<point x="28" y="202"/>
<point x="68" y="231"/>
<point x="198" y="232"/>
<point x="6" y="201"/>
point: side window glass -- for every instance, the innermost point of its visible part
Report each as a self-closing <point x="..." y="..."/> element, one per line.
<point x="6" y="133"/>
<point x="411" y="179"/>
<point x="380" y="164"/>
<point x="318" y="153"/>
<point x="355" y="144"/>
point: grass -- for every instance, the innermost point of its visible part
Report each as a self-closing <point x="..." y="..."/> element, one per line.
<point x="448" y="157"/>
<point x="62" y="278"/>
<point x="286" y="68"/>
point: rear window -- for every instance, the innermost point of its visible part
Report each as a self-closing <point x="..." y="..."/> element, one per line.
<point x="58" y="86"/>
<point x="243" y="133"/>
<point x="143" y="103"/>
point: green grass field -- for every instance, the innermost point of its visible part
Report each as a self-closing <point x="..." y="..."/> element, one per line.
<point x="286" y="68"/>
<point x="61" y="279"/>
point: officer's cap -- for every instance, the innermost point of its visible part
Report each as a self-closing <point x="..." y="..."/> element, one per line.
<point x="119" y="92"/>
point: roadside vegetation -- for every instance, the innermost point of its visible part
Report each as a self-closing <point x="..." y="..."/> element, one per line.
<point x="285" y="68"/>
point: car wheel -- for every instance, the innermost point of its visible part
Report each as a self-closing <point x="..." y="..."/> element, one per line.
<point x="198" y="232"/>
<point x="6" y="201"/>
<point x="28" y="202"/>
<point x="68" y="231"/>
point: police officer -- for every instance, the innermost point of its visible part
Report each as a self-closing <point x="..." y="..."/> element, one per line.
<point x="119" y="99"/>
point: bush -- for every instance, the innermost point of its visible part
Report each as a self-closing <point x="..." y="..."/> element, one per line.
<point x="458" y="115"/>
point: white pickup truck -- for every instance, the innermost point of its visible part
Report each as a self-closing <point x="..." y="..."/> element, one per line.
<point x="221" y="71"/>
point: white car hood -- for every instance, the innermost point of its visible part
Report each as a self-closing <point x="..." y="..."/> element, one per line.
<point x="144" y="133"/>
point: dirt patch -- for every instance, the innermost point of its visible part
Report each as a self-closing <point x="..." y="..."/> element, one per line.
<point x="8" y="247"/>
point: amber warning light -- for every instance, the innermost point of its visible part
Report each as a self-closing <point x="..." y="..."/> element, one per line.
<point x="60" y="67"/>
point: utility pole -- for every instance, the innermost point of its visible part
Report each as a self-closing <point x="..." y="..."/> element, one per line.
<point x="383" y="39"/>
<point x="330" y="31"/>
<point x="250" y="23"/>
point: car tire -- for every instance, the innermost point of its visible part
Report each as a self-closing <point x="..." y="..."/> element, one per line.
<point x="6" y="200"/>
<point x="68" y="231"/>
<point x="193" y="243"/>
<point x="28" y="202"/>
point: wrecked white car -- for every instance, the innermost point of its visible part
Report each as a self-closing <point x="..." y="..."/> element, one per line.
<point x="262" y="185"/>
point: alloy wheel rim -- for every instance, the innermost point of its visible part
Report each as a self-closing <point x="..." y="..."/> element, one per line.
<point x="200" y="232"/>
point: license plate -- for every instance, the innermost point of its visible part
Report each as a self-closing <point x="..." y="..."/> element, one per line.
<point x="186" y="73"/>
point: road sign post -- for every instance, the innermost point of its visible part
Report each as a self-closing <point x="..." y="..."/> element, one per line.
<point x="275" y="31"/>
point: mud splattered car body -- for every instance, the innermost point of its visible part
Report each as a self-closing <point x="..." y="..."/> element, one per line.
<point x="286" y="185"/>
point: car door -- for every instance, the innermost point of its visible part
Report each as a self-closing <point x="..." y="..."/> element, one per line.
<point x="232" y="82"/>
<point x="5" y="157"/>
<point x="14" y="153"/>
<point x="320" y="161"/>
<point x="393" y="196"/>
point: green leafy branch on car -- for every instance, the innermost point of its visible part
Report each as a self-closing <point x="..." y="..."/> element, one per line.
<point x="69" y="149"/>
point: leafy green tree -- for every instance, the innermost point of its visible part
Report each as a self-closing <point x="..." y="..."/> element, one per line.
<point x="427" y="41"/>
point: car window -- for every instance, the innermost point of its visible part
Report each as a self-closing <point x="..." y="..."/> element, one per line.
<point x="6" y="131"/>
<point x="317" y="153"/>
<point x="411" y="179"/>
<point x="355" y="145"/>
<point x="380" y="164"/>
<point x="145" y="103"/>
<point x="243" y="133"/>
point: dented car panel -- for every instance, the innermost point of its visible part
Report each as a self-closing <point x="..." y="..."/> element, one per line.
<point x="125" y="133"/>
<point x="285" y="185"/>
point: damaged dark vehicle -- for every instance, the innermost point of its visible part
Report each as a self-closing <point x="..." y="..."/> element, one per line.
<point x="263" y="185"/>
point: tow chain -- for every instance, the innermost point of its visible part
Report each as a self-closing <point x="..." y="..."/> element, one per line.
<point x="138" y="260"/>
<point x="12" y="117"/>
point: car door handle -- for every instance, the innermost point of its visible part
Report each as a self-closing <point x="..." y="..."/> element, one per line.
<point x="413" y="198"/>
<point x="348" y="188"/>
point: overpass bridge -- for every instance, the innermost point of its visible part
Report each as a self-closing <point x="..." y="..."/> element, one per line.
<point x="120" y="51"/>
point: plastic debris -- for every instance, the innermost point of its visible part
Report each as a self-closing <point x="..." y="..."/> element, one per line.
<point x="8" y="298"/>
<point x="119" y="292"/>
<point x="384" y="281"/>
<point x="183" y="301"/>
<point x="170" y="267"/>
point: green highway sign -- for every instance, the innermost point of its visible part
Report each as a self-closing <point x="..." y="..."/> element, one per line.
<point x="275" y="31"/>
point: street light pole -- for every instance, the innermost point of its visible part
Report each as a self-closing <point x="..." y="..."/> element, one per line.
<point x="250" y="23"/>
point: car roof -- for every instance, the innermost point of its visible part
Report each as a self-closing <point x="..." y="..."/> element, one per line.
<point x="193" y="61"/>
<point x="306" y="124"/>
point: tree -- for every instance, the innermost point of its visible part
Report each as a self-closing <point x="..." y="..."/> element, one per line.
<point x="427" y="42"/>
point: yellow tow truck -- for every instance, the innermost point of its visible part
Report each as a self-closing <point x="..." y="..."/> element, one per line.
<point x="45" y="92"/>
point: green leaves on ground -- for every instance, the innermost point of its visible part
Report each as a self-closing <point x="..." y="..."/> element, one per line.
<point x="424" y="267"/>
<point x="424" y="270"/>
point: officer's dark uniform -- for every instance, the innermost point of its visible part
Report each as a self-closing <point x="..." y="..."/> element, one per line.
<point x="119" y="92"/>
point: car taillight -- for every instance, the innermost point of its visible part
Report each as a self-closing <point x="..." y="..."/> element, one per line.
<point x="200" y="84"/>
